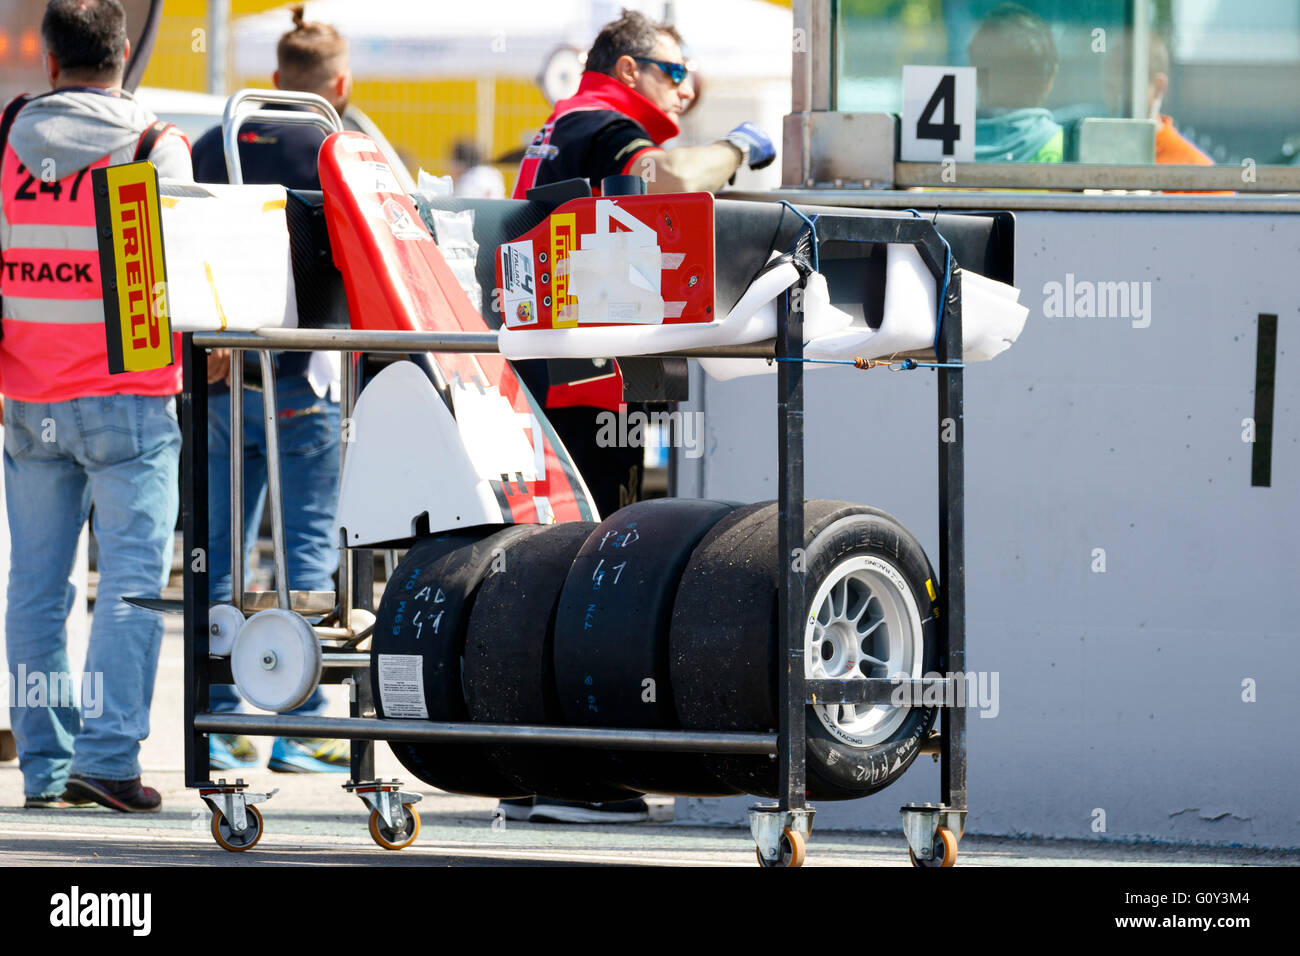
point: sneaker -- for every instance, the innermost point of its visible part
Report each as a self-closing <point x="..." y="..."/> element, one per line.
<point x="230" y="752"/>
<point x="559" y="811"/>
<point x="310" y="755"/>
<point x="515" y="809"/>
<point x="127" y="796"/>
<point x="55" y="801"/>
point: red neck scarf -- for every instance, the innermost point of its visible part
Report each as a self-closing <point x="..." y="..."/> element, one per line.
<point x="600" y="92"/>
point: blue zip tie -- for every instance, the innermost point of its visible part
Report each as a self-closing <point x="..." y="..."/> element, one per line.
<point x="943" y="292"/>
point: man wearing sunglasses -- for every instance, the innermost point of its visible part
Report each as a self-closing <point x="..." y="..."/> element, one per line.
<point x="635" y="86"/>
<point x="633" y="90"/>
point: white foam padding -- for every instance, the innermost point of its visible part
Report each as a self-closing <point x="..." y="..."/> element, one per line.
<point x="992" y="319"/>
<point x="753" y="319"/>
<point x="820" y="319"/>
<point x="990" y="314"/>
<point x="228" y="261"/>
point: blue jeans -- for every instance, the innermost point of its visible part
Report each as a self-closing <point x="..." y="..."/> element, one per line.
<point x="309" y="471"/>
<point x="120" y="453"/>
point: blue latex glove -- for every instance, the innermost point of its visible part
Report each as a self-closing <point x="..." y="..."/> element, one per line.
<point x="754" y="143"/>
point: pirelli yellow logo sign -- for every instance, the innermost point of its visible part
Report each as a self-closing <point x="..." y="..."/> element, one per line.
<point x="564" y="236"/>
<point x="129" y="225"/>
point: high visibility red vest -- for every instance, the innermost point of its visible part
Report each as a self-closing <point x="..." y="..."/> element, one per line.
<point x="54" y="346"/>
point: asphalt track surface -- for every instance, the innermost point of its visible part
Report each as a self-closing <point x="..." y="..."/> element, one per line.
<point x="312" y="822"/>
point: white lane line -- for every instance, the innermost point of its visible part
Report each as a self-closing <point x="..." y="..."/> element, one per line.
<point x="343" y="844"/>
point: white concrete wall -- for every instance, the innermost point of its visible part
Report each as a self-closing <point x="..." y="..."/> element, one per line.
<point x="1120" y="691"/>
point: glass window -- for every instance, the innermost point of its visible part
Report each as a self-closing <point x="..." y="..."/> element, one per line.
<point x="1215" y="81"/>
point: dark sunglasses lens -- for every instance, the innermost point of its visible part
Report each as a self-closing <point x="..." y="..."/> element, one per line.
<point x="676" y="72"/>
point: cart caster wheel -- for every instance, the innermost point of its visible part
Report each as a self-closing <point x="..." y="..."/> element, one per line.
<point x="391" y="839"/>
<point x="228" y="839"/>
<point x="945" y="850"/>
<point x="793" y="850"/>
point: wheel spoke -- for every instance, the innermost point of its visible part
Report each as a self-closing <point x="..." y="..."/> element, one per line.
<point x="863" y="635"/>
<point x="879" y="648"/>
<point x="856" y="615"/>
<point x="816" y="664"/>
<point x="848" y="713"/>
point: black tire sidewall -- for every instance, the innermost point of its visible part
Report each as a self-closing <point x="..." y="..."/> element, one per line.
<point x="610" y="639"/>
<point x="509" y="676"/>
<point x="453" y="563"/>
<point x="725" y="642"/>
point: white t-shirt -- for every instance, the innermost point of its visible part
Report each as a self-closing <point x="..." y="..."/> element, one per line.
<point x="481" y="182"/>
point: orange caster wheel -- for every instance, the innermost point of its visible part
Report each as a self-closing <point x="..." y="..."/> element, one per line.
<point x="793" y="850"/>
<point x="245" y="839"/>
<point x="391" y="839"/>
<point x="945" y="850"/>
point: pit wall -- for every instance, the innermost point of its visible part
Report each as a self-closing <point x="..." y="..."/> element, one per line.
<point x="1126" y="583"/>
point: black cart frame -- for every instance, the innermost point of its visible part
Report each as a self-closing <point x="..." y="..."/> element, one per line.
<point x="795" y="691"/>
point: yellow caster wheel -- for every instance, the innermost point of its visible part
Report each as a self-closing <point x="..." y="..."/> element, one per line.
<point x="391" y="839"/>
<point x="246" y="839"/>
<point x="793" y="850"/>
<point x="945" y="850"/>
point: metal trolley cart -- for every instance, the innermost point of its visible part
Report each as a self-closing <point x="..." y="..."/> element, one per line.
<point x="781" y="830"/>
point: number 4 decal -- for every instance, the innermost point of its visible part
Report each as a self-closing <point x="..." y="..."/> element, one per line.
<point x="641" y="235"/>
<point x="938" y="119"/>
<point x="947" y="132"/>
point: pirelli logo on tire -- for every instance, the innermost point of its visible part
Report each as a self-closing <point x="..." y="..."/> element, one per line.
<point x="128" y="223"/>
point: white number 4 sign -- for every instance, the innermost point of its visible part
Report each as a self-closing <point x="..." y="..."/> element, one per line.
<point x="938" y="114"/>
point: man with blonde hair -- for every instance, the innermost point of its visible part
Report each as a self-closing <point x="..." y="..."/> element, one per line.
<point x="311" y="58"/>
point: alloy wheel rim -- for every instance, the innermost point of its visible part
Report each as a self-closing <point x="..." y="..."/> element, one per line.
<point x="863" y="622"/>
